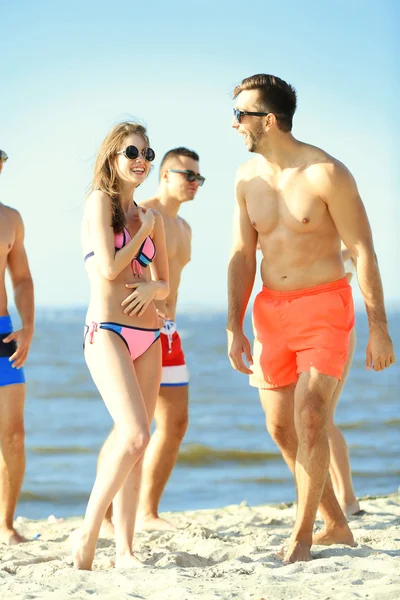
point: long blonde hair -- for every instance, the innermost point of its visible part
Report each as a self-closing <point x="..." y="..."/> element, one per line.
<point x="105" y="176"/>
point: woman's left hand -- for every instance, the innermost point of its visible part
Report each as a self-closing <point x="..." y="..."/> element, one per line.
<point x="137" y="302"/>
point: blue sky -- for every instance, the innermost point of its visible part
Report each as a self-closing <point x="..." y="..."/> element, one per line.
<point x="71" y="70"/>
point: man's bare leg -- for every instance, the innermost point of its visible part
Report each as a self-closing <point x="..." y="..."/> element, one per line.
<point x="171" y="416"/>
<point x="340" y="463"/>
<point x="12" y="458"/>
<point x="312" y="398"/>
<point x="278" y="406"/>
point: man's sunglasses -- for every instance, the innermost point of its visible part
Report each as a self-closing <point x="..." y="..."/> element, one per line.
<point x="132" y="152"/>
<point x="238" y="114"/>
<point x="190" y="175"/>
<point x="3" y="156"/>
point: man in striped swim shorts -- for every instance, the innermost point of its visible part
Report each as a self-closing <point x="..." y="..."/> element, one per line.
<point x="298" y="202"/>
<point x="14" y="348"/>
<point x="180" y="180"/>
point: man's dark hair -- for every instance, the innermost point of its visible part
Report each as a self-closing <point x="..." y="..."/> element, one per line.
<point x="275" y="95"/>
<point x="179" y="152"/>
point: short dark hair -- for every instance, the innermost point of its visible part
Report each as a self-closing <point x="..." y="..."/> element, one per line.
<point x="181" y="151"/>
<point x="275" y="95"/>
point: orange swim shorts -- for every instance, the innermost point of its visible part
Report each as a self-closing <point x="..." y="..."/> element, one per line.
<point x="297" y="330"/>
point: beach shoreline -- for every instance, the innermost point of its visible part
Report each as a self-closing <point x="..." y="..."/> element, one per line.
<point x="223" y="553"/>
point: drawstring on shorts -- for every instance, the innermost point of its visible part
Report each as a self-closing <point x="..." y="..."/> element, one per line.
<point x="169" y="329"/>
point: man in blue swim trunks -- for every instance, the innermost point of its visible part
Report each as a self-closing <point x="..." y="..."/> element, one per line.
<point x="14" y="348"/>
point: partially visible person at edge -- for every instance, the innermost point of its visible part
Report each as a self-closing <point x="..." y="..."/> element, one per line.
<point x="179" y="181"/>
<point x="300" y="202"/>
<point x="14" y="349"/>
<point x="340" y="470"/>
<point x="123" y="244"/>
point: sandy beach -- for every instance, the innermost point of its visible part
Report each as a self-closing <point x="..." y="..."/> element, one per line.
<point x="223" y="553"/>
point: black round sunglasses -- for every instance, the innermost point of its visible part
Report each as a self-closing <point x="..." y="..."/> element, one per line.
<point x="131" y="152"/>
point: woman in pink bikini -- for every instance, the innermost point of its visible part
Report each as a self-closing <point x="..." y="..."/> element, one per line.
<point x="121" y="342"/>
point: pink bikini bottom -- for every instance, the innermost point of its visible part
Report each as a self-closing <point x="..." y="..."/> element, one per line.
<point x="137" y="339"/>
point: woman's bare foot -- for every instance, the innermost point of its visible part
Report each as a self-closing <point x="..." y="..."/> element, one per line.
<point x="338" y="535"/>
<point x="153" y="524"/>
<point x="11" y="537"/>
<point x="295" y="551"/>
<point x="107" y="529"/>
<point x="82" y="552"/>
<point x="128" y="561"/>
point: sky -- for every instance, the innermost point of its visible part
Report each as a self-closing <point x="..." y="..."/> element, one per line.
<point x="72" y="70"/>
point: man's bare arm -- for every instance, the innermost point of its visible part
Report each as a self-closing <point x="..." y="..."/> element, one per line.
<point x="242" y="263"/>
<point x="18" y="268"/>
<point x="241" y="274"/>
<point x="348" y="213"/>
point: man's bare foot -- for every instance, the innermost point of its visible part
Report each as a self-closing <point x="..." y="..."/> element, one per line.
<point x="338" y="535"/>
<point x="295" y="551"/>
<point x="128" y="561"/>
<point x="11" y="537"/>
<point x="107" y="529"/>
<point x="153" y="524"/>
<point x="82" y="552"/>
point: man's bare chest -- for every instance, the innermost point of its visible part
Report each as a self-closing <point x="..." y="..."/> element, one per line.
<point x="7" y="234"/>
<point x="178" y="243"/>
<point x="294" y="206"/>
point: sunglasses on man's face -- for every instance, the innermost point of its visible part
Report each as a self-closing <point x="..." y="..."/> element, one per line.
<point x="132" y="152"/>
<point x="190" y="175"/>
<point x="238" y="114"/>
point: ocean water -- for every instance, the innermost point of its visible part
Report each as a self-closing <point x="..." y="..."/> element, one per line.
<point x="227" y="455"/>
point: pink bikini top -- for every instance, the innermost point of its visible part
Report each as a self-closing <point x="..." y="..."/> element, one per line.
<point x="144" y="257"/>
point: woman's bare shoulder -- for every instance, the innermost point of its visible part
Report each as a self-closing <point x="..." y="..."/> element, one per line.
<point x="98" y="202"/>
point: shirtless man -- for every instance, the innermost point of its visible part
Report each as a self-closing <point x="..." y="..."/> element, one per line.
<point x="179" y="182"/>
<point x="300" y="202"/>
<point x="14" y="348"/>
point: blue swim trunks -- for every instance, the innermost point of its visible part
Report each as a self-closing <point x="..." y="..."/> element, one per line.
<point x="8" y="374"/>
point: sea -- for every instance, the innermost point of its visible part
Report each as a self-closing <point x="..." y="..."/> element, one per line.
<point x="227" y="456"/>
